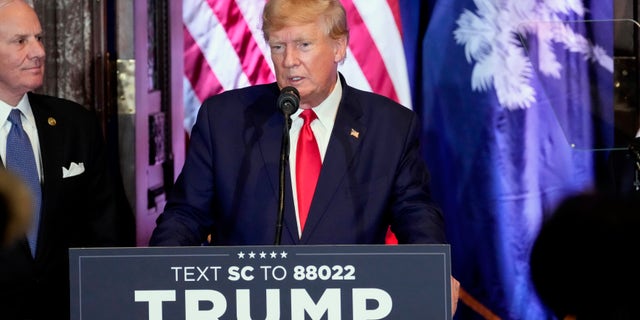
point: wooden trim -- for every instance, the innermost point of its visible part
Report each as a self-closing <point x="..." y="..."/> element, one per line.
<point x="476" y="306"/>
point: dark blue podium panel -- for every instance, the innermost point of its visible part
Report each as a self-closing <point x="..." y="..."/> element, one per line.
<point x="261" y="282"/>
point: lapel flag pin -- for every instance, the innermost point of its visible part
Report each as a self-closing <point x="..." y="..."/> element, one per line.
<point x="354" y="133"/>
<point x="52" y="121"/>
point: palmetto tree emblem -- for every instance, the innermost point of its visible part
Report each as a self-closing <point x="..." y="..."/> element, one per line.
<point x="491" y="40"/>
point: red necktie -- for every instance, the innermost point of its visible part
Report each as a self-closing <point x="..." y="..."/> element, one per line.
<point x="308" y="165"/>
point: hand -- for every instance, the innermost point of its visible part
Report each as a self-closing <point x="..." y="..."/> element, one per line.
<point x="455" y="294"/>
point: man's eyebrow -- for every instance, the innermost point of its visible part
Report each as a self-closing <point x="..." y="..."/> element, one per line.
<point x="26" y="35"/>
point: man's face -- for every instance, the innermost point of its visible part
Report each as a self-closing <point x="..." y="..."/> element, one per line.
<point x="21" y="51"/>
<point x="307" y="59"/>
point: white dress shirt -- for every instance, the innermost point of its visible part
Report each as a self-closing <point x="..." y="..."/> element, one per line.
<point x="321" y="127"/>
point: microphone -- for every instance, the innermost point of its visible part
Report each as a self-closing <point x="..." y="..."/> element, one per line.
<point x="288" y="102"/>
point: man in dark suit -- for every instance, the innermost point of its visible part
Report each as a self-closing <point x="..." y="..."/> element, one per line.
<point x="372" y="175"/>
<point x="77" y="198"/>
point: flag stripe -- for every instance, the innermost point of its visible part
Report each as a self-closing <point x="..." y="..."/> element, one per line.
<point x="394" y="5"/>
<point x="239" y="34"/>
<point x="368" y="57"/>
<point x="380" y="22"/>
<point x="212" y="39"/>
<point x="252" y="12"/>
<point x="197" y="69"/>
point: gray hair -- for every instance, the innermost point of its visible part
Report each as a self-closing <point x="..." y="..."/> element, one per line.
<point x="6" y="2"/>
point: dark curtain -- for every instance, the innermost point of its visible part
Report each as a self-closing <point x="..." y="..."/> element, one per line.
<point x="68" y="37"/>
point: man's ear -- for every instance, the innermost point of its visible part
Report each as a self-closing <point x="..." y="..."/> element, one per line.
<point x="340" y="49"/>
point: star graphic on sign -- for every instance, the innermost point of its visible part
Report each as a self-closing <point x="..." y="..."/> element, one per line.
<point x="252" y="255"/>
<point x="273" y="255"/>
<point x="283" y="255"/>
<point x="263" y="255"/>
<point x="240" y="255"/>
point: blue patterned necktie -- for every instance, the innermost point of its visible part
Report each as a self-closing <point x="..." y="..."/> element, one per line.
<point x="21" y="161"/>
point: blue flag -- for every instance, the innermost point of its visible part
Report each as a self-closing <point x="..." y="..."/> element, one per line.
<point x="515" y="98"/>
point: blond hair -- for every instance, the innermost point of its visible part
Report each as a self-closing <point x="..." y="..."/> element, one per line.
<point x="278" y="14"/>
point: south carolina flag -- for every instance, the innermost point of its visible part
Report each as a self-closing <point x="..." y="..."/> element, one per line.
<point x="516" y="96"/>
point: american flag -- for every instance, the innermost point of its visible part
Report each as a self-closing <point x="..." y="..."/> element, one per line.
<point x="225" y="49"/>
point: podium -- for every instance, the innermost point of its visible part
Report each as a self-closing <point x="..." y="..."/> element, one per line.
<point x="261" y="282"/>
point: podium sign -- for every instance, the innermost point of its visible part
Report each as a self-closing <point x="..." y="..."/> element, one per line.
<point x="261" y="282"/>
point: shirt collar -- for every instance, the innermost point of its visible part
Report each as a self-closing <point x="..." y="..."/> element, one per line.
<point x="327" y="109"/>
<point x="23" y="105"/>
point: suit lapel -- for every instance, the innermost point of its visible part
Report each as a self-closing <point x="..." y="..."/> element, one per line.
<point x="268" y="124"/>
<point x="51" y="149"/>
<point x="348" y="131"/>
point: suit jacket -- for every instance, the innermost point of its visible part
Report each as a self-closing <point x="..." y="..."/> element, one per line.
<point x="77" y="211"/>
<point x="372" y="176"/>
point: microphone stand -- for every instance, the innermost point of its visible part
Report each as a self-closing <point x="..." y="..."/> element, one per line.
<point x="284" y="159"/>
<point x="634" y="151"/>
<point x="288" y="102"/>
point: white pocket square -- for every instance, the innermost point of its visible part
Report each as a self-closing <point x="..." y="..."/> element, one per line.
<point x="74" y="170"/>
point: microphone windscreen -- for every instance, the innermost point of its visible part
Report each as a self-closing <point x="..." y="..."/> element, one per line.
<point x="289" y="100"/>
